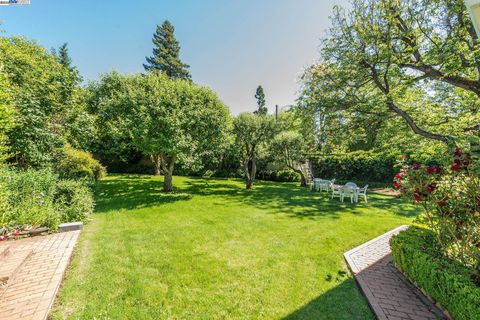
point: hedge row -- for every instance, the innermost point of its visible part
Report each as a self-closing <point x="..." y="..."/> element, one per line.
<point x="417" y="253"/>
<point x="364" y="166"/>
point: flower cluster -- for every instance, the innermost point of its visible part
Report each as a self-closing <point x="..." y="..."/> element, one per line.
<point x="13" y="232"/>
<point x="450" y="198"/>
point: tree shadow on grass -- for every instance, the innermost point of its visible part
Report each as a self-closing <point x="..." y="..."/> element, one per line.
<point x="139" y="191"/>
<point x="290" y="199"/>
<point x="133" y="192"/>
<point x="342" y="302"/>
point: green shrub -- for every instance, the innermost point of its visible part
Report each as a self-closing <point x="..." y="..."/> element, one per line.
<point x="74" y="200"/>
<point x="30" y="198"/>
<point x="39" y="198"/>
<point x="287" y="176"/>
<point x="417" y="253"/>
<point x="79" y="164"/>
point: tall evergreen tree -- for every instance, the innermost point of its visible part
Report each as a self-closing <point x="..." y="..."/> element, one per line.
<point x="260" y="96"/>
<point x="166" y="54"/>
<point x="64" y="57"/>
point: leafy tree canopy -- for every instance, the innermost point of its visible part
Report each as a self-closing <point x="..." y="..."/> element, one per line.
<point x="251" y="132"/>
<point x="169" y="120"/>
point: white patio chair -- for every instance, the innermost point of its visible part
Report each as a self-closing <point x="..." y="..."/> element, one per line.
<point x="330" y="184"/>
<point x="336" y="189"/>
<point x="362" y="192"/>
<point x="347" y="191"/>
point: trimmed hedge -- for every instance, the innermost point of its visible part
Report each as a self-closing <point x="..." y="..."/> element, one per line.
<point x="416" y="252"/>
<point x="369" y="166"/>
<point x="356" y="166"/>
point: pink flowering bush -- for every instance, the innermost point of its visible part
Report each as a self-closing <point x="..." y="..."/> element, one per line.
<point x="450" y="198"/>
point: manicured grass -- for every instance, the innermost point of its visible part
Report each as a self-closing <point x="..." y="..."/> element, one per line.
<point x="213" y="250"/>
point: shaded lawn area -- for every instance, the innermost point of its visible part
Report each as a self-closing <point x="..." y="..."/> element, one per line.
<point x="213" y="250"/>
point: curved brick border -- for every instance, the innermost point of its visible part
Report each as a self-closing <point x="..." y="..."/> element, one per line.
<point x="390" y="295"/>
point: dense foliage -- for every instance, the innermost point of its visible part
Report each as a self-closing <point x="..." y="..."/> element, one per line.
<point x="418" y="254"/>
<point x="392" y="77"/>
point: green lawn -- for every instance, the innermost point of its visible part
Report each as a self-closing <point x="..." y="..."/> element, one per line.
<point x="213" y="250"/>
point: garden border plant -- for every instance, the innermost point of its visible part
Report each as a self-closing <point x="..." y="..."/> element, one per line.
<point x="444" y="260"/>
<point x="417" y="253"/>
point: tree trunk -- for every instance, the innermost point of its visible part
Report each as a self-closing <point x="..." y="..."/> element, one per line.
<point x="168" y="182"/>
<point x="157" y="163"/>
<point x="250" y="167"/>
<point x="303" y="176"/>
<point x="168" y="163"/>
<point x="303" y="179"/>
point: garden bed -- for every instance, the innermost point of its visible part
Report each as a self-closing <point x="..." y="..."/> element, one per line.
<point x="449" y="283"/>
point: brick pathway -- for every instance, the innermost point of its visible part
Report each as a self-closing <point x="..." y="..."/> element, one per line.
<point x="388" y="292"/>
<point x="31" y="271"/>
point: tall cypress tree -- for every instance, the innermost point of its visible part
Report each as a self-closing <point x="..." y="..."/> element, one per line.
<point x="166" y="54"/>
<point x="260" y="96"/>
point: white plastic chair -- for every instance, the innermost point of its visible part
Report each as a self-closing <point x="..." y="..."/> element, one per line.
<point x="362" y="192"/>
<point x="336" y="189"/>
<point x="330" y="184"/>
<point x="347" y="190"/>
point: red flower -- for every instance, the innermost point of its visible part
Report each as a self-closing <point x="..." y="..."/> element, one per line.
<point x="457" y="161"/>
<point x="458" y="152"/>
<point x="417" y="197"/>
<point x="415" y="166"/>
<point x="396" y="185"/>
<point x="435" y="169"/>
<point x="455" y="167"/>
<point x="431" y="187"/>
<point x="399" y="176"/>
<point x="3" y="238"/>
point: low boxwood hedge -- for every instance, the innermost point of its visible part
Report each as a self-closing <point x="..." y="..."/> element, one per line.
<point x="417" y="253"/>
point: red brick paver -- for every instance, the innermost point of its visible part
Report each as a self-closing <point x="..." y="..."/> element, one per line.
<point x="388" y="292"/>
<point x="33" y="268"/>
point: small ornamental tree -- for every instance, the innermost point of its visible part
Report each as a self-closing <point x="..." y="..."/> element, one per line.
<point x="289" y="148"/>
<point x="251" y="131"/>
<point x="168" y="120"/>
<point x="450" y="198"/>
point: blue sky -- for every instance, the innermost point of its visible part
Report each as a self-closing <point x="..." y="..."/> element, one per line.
<point x="231" y="46"/>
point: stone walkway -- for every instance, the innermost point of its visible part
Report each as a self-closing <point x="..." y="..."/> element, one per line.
<point x="31" y="271"/>
<point x="388" y="292"/>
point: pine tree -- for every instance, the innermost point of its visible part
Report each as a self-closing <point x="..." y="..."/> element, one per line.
<point x="260" y="96"/>
<point x="64" y="57"/>
<point x="166" y="54"/>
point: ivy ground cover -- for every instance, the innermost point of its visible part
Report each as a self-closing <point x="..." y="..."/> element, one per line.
<point x="213" y="250"/>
